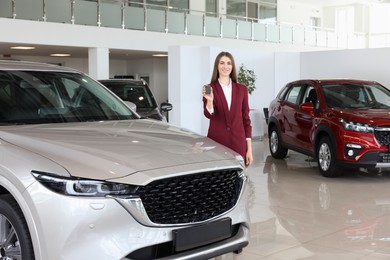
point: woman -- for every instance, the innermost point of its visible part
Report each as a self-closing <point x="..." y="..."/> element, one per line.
<point x="227" y="108"/>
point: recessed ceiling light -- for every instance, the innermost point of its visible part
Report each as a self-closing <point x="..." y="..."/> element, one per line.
<point x="23" y="47"/>
<point x="160" y="55"/>
<point x="60" y="55"/>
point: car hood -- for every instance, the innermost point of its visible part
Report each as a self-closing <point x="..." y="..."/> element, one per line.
<point x="110" y="150"/>
<point x="363" y="115"/>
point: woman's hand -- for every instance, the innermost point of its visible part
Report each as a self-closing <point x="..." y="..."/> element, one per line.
<point x="209" y="97"/>
<point x="249" y="155"/>
<point x="249" y="158"/>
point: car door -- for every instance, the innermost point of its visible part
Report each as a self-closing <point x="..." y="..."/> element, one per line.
<point x="305" y="120"/>
<point x="290" y="106"/>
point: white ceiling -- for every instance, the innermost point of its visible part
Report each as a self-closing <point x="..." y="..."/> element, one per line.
<point x="76" y="52"/>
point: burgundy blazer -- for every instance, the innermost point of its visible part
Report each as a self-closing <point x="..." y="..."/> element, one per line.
<point x="230" y="127"/>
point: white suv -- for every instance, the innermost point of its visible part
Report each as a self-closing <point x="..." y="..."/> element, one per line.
<point x="83" y="177"/>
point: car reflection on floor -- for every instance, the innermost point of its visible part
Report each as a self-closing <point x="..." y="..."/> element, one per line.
<point x="308" y="207"/>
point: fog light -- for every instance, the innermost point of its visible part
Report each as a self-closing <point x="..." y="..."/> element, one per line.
<point x="352" y="150"/>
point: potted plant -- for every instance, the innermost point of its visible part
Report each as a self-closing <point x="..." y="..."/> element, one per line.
<point x="247" y="77"/>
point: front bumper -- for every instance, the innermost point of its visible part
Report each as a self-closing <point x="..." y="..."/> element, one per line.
<point x="372" y="159"/>
<point x="232" y="244"/>
<point x="65" y="227"/>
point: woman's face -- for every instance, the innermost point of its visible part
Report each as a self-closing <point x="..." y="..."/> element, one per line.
<point x="225" y="67"/>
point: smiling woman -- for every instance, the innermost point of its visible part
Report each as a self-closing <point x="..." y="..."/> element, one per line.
<point x="227" y="108"/>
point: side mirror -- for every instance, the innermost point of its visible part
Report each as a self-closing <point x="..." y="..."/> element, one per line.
<point x="165" y="107"/>
<point x="131" y="105"/>
<point x="308" y="107"/>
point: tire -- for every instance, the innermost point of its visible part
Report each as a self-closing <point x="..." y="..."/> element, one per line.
<point x="275" y="147"/>
<point x="15" y="239"/>
<point x="326" y="158"/>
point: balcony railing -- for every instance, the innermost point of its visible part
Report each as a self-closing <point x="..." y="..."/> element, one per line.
<point x="135" y="16"/>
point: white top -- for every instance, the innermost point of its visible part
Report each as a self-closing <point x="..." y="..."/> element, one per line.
<point x="227" y="91"/>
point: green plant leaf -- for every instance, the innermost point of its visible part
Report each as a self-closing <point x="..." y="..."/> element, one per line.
<point x="247" y="77"/>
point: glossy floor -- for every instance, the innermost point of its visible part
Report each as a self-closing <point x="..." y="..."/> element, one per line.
<point x="298" y="214"/>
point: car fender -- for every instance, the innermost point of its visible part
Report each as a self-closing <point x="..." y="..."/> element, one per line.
<point x="324" y="130"/>
<point x="273" y="121"/>
<point x="17" y="185"/>
<point x="23" y="203"/>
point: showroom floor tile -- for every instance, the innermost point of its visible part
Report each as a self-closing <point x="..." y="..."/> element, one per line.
<point x="298" y="214"/>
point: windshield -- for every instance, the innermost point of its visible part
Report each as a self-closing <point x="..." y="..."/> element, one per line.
<point x="140" y="95"/>
<point x="356" y="96"/>
<point x="35" y="97"/>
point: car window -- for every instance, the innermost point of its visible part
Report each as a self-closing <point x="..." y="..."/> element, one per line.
<point x="356" y="96"/>
<point x="140" y="95"/>
<point x="293" y="94"/>
<point x="33" y="97"/>
<point x="378" y="95"/>
<point x="310" y="96"/>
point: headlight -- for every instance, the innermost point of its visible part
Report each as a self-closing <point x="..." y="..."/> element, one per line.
<point x="357" y="127"/>
<point x="84" y="187"/>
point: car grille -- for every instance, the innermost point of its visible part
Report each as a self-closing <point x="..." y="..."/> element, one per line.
<point x="382" y="134"/>
<point x="191" y="198"/>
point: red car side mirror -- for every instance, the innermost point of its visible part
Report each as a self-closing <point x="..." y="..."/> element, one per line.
<point x="308" y="107"/>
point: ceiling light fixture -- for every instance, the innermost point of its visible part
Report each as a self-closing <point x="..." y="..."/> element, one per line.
<point x="23" y="48"/>
<point x="160" y="55"/>
<point x="60" y="55"/>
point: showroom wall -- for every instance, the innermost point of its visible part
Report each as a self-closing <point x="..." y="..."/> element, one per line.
<point x="157" y="71"/>
<point x="369" y="64"/>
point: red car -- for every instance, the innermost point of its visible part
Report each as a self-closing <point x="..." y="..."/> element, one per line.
<point x="337" y="122"/>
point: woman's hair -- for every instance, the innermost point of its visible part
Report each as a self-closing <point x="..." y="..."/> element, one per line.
<point x="233" y="74"/>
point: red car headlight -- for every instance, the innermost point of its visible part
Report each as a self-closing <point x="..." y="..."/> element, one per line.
<point x="357" y="127"/>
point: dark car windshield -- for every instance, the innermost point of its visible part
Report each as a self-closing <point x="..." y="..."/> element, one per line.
<point x="34" y="97"/>
<point x="356" y="96"/>
<point x="139" y="94"/>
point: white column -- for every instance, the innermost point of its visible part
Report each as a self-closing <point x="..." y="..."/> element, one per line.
<point x="189" y="69"/>
<point x="98" y="63"/>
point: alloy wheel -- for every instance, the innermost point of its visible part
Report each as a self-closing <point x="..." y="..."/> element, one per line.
<point x="324" y="156"/>
<point x="274" y="141"/>
<point x="9" y="242"/>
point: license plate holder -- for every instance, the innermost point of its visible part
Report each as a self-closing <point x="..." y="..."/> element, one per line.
<point x="203" y="234"/>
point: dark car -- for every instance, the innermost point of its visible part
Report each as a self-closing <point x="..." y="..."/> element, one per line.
<point x="339" y="122"/>
<point x="139" y="93"/>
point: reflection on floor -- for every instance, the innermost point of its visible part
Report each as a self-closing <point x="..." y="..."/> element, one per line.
<point x="298" y="214"/>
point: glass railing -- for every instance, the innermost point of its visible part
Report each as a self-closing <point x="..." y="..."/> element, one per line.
<point x="135" y="16"/>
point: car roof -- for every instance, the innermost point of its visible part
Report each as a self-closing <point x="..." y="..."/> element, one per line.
<point x="335" y="81"/>
<point x="34" y="66"/>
